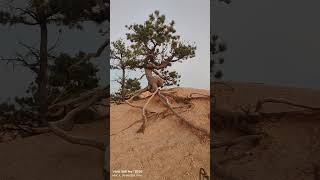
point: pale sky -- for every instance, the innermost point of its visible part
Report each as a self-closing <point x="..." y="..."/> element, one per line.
<point x="192" y="18"/>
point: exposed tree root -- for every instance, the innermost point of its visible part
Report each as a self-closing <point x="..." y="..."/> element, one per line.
<point x="182" y="119"/>
<point x="201" y="95"/>
<point x="163" y="114"/>
<point x="67" y="122"/>
<point x="283" y="101"/>
<point x="76" y="139"/>
<point x="132" y="124"/>
<point x="133" y="105"/>
<point x="143" y="126"/>
<point x="179" y="99"/>
<point x="137" y="93"/>
<point x="60" y="127"/>
<point x="248" y="117"/>
<point x="242" y="120"/>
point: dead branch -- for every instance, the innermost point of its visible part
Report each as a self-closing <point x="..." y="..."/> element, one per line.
<point x="23" y="62"/>
<point x="141" y="77"/>
<point x="56" y="43"/>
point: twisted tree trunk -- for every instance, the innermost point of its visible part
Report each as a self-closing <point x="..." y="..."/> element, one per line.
<point x="152" y="81"/>
<point x="43" y="75"/>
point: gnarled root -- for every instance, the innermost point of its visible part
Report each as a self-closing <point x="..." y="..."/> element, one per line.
<point x="142" y="128"/>
<point x="182" y="119"/>
<point x="283" y="101"/>
<point x="60" y="127"/>
<point x="76" y="139"/>
<point x="185" y="100"/>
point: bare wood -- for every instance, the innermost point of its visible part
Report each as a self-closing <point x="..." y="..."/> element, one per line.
<point x="82" y="97"/>
<point x="144" y="112"/>
<point x="137" y="93"/>
<point x="151" y="116"/>
<point x="182" y="119"/>
<point x="282" y="101"/>
<point x="203" y="95"/>
<point x="76" y="139"/>
<point x="67" y="123"/>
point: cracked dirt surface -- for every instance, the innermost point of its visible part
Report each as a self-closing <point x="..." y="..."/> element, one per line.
<point x="166" y="150"/>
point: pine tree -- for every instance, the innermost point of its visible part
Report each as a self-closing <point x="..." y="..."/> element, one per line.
<point x="217" y="47"/>
<point x="41" y="13"/>
<point x="157" y="47"/>
<point x="122" y="58"/>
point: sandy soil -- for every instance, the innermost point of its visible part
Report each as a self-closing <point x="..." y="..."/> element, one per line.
<point x="47" y="157"/>
<point x="292" y="145"/>
<point x="167" y="150"/>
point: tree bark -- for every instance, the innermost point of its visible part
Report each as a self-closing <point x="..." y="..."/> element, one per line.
<point x="43" y="74"/>
<point x="152" y="81"/>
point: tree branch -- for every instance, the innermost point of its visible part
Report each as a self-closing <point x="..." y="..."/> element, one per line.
<point x="32" y="67"/>
<point x="90" y="55"/>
